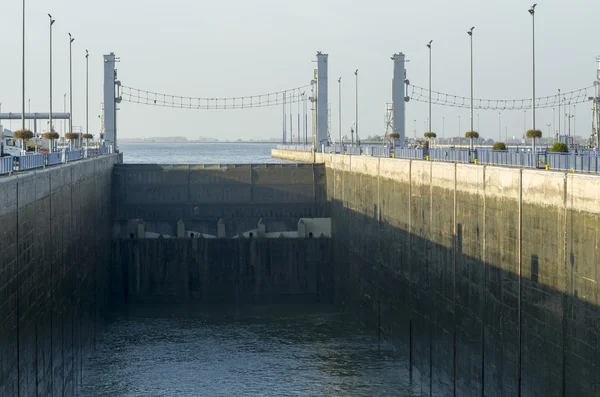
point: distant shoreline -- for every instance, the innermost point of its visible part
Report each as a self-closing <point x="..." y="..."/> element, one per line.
<point x="208" y="142"/>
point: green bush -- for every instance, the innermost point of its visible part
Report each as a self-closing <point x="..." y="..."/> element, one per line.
<point x="533" y="134"/>
<point x="87" y="136"/>
<point x="430" y="135"/>
<point x="499" y="146"/>
<point x="560" y="147"/>
<point x="472" y="134"/>
<point x="51" y="135"/>
<point x="394" y="135"/>
<point x="71" y="136"/>
<point x="23" y="134"/>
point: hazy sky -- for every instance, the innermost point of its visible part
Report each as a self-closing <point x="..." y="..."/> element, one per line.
<point x="243" y="47"/>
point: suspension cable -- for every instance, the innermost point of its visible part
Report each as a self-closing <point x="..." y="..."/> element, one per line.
<point x="420" y="94"/>
<point x="135" y="95"/>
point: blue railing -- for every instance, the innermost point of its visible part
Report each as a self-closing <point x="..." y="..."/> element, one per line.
<point x="22" y="163"/>
<point x="407" y="153"/>
<point x="27" y="162"/>
<point x="586" y="162"/>
<point x="74" y="155"/>
<point x="510" y="158"/>
<point x="6" y="165"/>
<point x="454" y="155"/>
<point x="54" y="158"/>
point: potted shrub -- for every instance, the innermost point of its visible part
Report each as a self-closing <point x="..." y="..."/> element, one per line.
<point x="533" y="134"/>
<point x="71" y="136"/>
<point x="560" y="147"/>
<point x="499" y="146"/>
<point x="24" y="136"/>
<point x="87" y="138"/>
<point x="51" y="136"/>
<point x="472" y="135"/>
<point x="430" y="136"/>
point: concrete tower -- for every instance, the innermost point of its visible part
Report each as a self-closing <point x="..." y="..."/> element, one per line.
<point x="398" y="97"/>
<point x="110" y="100"/>
<point x="322" y="100"/>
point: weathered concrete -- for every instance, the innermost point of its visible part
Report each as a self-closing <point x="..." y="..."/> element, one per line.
<point x="54" y="251"/>
<point x="485" y="278"/>
<point x="224" y="270"/>
<point x="201" y="195"/>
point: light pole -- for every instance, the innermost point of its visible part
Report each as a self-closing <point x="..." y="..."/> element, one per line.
<point x="87" y="93"/>
<point x="532" y="12"/>
<point x="443" y="126"/>
<point x="559" y="114"/>
<point x="71" y="40"/>
<point x="23" y="73"/>
<point x="429" y="46"/>
<point x="64" y="111"/>
<point x="51" y="23"/>
<point x="499" y="126"/>
<point x="340" y="114"/>
<point x="356" y="121"/>
<point x="470" y="33"/>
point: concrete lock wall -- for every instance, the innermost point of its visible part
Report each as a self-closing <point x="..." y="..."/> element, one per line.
<point x="484" y="278"/>
<point x="201" y="195"/>
<point x="224" y="270"/>
<point x="54" y="251"/>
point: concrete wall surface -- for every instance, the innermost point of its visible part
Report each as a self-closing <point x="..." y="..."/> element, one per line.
<point x="484" y="278"/>
<point x="54" y="250"/>
<point x="201" y="195"/>
<point x="223" y="270"/>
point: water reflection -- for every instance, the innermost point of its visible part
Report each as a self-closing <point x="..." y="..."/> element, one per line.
<point x="241" y="351"/>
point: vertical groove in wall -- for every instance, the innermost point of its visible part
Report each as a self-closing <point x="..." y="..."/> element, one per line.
<point x="429" y="266"/>
<point x="484" y="294"/>
<point x="520" y="275"/>
<point x="17" y="300"/>
<point x="410" y="278"/>
<point x="378" y="259"/>
<point x="567" y="290"/>
<point x="454" y="243"/>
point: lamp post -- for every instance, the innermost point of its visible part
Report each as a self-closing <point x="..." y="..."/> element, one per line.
<point x="429" y="46"/>
<point x="23" y="73"/>
<point x="356" y="121"/>
<point x="532" y="12"/>
<point x="558" y="115"/>
<point x="470" y="33"/>
<point x="340" y="113"/>
<point x="51" y="23"/>
<point x="87" y="92"/>
<point x="499" y="126"/>
<point x="71" y="40"/>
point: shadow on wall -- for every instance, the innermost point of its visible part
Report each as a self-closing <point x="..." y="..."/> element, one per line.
<point x="466" y="316"/>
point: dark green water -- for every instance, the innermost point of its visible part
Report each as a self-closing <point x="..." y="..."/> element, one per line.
<point x="283" y="350"/>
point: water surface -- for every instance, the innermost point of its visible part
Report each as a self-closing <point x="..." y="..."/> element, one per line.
<point x="283" y="350"/>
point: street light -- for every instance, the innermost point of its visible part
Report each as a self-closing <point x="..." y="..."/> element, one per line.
<point x="51" y="23"/>
<point x="340" y="112"/>
<point x="532" y="12"/>
<point x="470" y="33"/>
<point x="71" y="40"/>
<point x="356" y="122"/>
<point x="429" y="46"/>
<point x="87" y="92"/>
<point x="23" y="73"/>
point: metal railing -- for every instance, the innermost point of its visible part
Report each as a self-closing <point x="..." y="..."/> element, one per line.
<point x="588" y="161"/>
<point x="509" y="158"/>
<point x="54" y="158"/>
<point x="22" y="163"/>
<point x="453" y="155"/>
<point x="6" y="165"/>
<point x="579" y="162"/>
<point x="32" y="161"/>
<point x="407" y="153"/>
